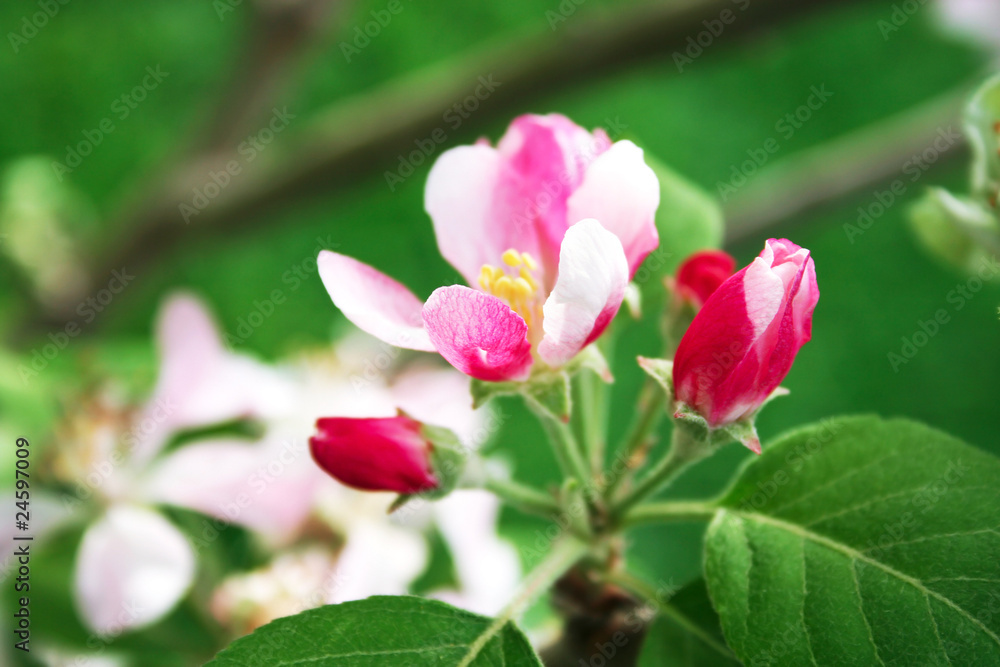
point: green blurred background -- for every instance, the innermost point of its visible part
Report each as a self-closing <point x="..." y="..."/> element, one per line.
<point x="875" y="290"/>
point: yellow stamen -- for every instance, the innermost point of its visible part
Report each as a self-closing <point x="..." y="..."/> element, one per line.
<point x="525" y="275"/>
<point x="503" y="288"/>
<point x="511" y="258"/>
<point x="519" y="289"/>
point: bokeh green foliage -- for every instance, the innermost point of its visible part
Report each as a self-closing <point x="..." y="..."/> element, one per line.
<point x="875" y="289"/>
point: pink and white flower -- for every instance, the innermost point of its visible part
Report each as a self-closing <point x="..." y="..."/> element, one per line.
<point x="743" y="341"/>
<point x="547" y="229"/>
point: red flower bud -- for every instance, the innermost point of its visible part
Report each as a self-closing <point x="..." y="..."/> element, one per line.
<point x="701" y="274"/>
<point x="743" y="341"/>
<point x="375" y="454"/>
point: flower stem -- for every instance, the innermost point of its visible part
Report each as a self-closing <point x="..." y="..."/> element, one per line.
<point x="564" y="442"/>
<point x="686" y="448"/>
<point x="593" y="417"/>
<point x="523" y="497"/>
<point x="650" y="414"/>
<point x="663" y="512"/>
<point x="565" y="553"/>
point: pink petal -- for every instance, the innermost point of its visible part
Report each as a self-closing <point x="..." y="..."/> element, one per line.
<point x="621" y="191"/>
<point x="381" y="454"/>
<point x="593" y="274"/>
<point x="478" y="334"/>
<point x="484" y="201"/>
<point x="544" y="159"/>
<point x="374" y="302"/>
<point x="471" y="223"/>
<point x="200" y="382"/>
<point x="132" y="567"/>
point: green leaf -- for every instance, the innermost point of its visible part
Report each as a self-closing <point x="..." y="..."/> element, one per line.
<point x="686" y="633"/>
<point x="376" y="632"/>
<point x="860" y="541"/>
<point x="688" y="219"/>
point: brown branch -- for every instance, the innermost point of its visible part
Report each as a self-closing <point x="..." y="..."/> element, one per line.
<point x="866" y="158"/>
<point x="366" y="134"/>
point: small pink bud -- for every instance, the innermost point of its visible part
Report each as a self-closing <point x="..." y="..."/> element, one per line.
<point x="375" y="454"/>
<point x="743" y="341"/>
<point x="701" y="274"/>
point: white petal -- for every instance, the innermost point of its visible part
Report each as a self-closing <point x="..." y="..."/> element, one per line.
<point x="460" y="199"/>
<point x="374" y="302"/>
<point x="621" y="191"/>
<point x="441" y="396"/>
<point x="132" y="567"/>
<point x="269" y="487"/>
<point x="488" y="568"/>
<point x="593" y="274"/>
<point x="379" y="559"/>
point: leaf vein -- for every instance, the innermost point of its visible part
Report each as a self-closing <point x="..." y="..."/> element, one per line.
<point x="857" y="555"/>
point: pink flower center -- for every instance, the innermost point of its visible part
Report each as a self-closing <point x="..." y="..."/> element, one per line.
<point x="515" y="284"/>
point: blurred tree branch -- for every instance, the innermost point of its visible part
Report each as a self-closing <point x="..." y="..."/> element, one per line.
<point x="359" y="135"/>
<point x="866" y="158"/>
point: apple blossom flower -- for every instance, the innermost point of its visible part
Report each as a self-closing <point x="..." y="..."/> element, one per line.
<point x="547" y="229"/>
<point x="743" y="341"/>
<point x="116" y="453"/>
<point x="701" y="274"/>
<point x="111" y="452"/>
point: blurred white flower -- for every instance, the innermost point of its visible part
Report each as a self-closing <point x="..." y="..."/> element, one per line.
<point x="975" y="19"/>
<point x="487" y="566"/>
<point x="133" y="565"/>
<point x="291" y="583"/>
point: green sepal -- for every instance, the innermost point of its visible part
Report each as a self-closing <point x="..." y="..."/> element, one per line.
<point x="743" y="431"/>
<point x="551" y="393"/>
<point x="483" y="392"/>
<point x="590" y="358"/>
<point x="661" y="370"/>
<point x="447" y="458"/>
